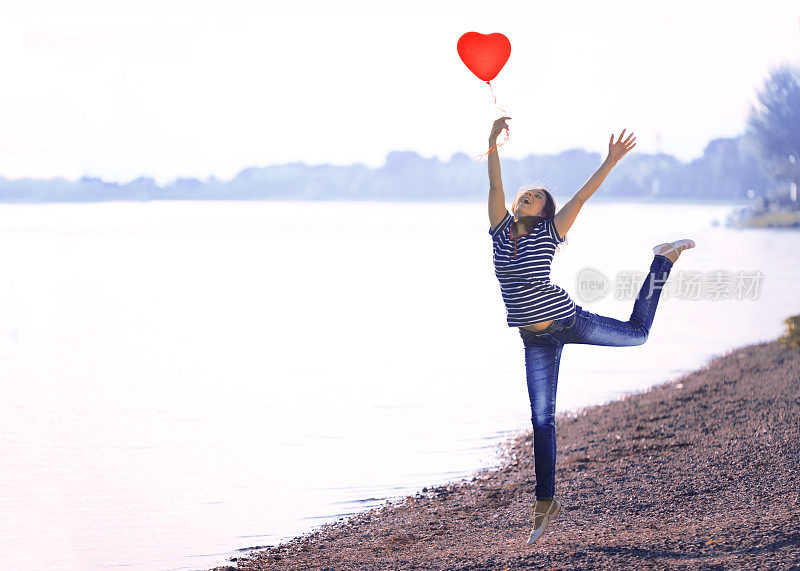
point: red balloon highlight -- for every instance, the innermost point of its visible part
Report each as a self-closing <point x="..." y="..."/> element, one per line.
<point x="484" y="54"/>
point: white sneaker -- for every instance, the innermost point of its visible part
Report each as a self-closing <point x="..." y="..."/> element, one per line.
<point x="542" y="519"/>
<point x="673" y="247"/>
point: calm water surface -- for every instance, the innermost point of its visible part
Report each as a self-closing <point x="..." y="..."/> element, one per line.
<point x="184" y="379"/>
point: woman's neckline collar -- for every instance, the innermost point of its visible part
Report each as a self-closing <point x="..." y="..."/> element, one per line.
<point x="511" y="229"/>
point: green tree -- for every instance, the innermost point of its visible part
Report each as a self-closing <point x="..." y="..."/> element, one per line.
<point x="774" y="125"/>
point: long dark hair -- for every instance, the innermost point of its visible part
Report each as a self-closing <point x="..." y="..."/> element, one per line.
<point x="547" y="213"/>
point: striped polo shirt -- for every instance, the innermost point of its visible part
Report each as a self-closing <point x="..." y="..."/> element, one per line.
<point x="522" y="265"/>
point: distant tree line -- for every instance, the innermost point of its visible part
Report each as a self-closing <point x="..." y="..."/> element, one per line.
<point x="763" y="163"/>
<point x="727" y="170"/>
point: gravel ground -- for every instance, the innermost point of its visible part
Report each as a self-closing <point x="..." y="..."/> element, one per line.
<point x="701" y="472"/>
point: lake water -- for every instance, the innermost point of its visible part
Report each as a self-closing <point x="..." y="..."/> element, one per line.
<point x="181" y="380"/>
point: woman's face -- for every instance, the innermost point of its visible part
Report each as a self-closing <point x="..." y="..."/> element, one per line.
<point x="531" y="203"/>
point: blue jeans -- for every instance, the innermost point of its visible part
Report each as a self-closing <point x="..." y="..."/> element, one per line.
<point x="543" y="355"/>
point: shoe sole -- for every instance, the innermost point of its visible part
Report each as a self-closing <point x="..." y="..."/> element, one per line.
<point x="546" y="523"/>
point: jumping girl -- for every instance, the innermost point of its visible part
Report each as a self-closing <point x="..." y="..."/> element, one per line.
<point x="524" y="242"/>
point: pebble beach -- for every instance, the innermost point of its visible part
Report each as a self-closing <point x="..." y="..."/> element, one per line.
<point x="699" y="472"/>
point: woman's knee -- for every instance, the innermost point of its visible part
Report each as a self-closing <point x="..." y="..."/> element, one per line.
<point x="641" y="335"/>
<point x="543" y="420"/>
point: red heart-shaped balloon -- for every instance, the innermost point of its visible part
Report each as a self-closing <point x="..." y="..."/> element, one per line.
<point x="484" y="54"/>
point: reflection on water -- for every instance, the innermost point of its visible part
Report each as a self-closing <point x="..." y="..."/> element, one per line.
<point x="182" y="380"/>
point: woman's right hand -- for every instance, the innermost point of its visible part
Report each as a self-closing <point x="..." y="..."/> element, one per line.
<point x="497" y="128"/>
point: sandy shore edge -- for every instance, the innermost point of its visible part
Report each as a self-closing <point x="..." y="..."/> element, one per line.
<point x="701" y="471"/>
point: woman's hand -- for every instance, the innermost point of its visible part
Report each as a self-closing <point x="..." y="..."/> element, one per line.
<point x="497" y="128"/>
<point x="618" y="150"/>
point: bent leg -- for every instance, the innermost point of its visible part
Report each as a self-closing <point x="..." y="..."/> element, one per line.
<point x="541" y="369"/>
<point x="593" y="329"/>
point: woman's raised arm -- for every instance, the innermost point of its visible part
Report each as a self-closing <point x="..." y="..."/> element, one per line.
<point x="565" y="217"/>
<point x="497" y="200"/>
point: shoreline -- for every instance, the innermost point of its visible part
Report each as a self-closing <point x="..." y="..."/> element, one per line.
<point x="787" y="220"/>
<point x="698" y="471"/>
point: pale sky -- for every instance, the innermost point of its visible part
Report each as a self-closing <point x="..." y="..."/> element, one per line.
<point x="121" y="89"/>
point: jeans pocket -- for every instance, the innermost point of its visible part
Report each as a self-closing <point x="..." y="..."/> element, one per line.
<point x="562" y="324"/>
<point x="558" y="325"/>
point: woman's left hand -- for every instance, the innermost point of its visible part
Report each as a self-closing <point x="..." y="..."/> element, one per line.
<point x="618" y="150"/>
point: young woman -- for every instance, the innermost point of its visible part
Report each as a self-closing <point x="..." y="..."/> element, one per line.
<point x="524" y="242"/>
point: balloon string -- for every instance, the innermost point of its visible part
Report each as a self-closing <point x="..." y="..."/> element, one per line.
<point x="493" y="147"/>
<point x="495" y="98"/>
